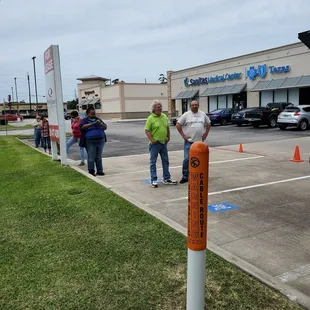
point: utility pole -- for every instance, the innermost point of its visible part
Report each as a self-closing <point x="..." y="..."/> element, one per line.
<point x="35" y="80"/>
<point x="75" y="94"/>
<point x="16" y="90"/>
<point x="12" y="94"/>
<point x="29" y="91"/>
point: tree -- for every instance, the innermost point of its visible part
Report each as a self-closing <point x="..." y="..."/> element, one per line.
<point x="71" y="105"/>
<point x="162" y="79"/>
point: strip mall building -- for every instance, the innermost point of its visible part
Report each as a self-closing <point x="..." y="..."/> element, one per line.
<point x="276" y="75"/>
<point x="121" y="100"/>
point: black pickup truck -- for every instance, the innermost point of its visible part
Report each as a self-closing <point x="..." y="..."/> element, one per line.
<point x="266" y="115"/>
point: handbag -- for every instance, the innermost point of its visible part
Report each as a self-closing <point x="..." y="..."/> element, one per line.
<point x="82" y="142"/>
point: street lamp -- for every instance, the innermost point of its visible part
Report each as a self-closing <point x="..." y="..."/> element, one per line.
<point x="28" y="79"/>
<point x="12" y="94"/>
<point x="35" y="79"/>
<point x="16" y="90"/>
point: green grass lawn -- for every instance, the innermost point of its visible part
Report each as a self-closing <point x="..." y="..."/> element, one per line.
<point x="68" y="243"/>
<point x="10" y="127"/>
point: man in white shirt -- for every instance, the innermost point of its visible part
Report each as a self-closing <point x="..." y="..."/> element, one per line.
<point x="193" y="126"/>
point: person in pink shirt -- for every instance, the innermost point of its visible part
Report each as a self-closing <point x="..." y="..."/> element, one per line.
<point x="76" y="135"/>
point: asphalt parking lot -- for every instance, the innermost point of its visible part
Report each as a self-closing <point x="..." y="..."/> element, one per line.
<point x="128" y="138"/>
<point x="263" y="222"/>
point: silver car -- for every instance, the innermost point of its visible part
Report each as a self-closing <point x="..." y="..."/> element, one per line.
<point x="297" y="116"/>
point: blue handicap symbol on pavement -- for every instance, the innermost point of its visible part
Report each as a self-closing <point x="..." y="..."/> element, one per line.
<point x="220" y="207"/>
<point x="149" y="181"/>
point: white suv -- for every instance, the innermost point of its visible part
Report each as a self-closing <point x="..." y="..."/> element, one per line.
<point x="297" y="116"/>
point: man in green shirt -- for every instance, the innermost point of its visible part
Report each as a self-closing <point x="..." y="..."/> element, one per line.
<point x="158" y="132"/>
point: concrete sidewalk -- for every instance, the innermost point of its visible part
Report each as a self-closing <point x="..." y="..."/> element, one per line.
<point x="266" y="235"/>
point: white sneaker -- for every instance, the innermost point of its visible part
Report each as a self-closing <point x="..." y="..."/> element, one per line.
<point x="154" y="184"/>
<point x="170" y="182"/>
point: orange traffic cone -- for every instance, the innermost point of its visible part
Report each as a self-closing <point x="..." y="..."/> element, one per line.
<point x="297" y="158"/>
<point x="240" y="149"/>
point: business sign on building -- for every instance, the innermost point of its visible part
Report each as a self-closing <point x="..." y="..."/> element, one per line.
<point x="262" y="70"/>
<point x="212" y="79"/>
<point x="55" y="102"/>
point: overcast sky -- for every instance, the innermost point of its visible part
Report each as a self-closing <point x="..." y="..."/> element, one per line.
<point x="134" y="40"/>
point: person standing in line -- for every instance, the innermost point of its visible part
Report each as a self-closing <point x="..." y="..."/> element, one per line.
<point x="194" y="125"/>
<point x="94" y="139"/>
<point x="46" y="141"/>
<point x="76" y="135"/>
<point x="157" y="130"/>
<point x="37" y="131"/>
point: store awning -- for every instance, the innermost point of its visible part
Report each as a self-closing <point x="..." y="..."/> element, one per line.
<point x="303" y="81"/>
<point x="294" y="82"/>
<point x="88" y="102"/>
<point x="208" y="92"/>
<point x="224" y="90"/>
<point x="82" y="102"/>
<point x="190" y="94"/>
<point x="93" y="101"/>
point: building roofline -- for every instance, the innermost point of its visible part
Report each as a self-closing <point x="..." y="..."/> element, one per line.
<point x="157" y="84"/>
<point x="297" y="44"/>
<point x="93" y="78"/>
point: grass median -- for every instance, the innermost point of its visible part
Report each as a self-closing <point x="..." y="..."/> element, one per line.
<point x="68" y="243"/>
<point x="9" y="127"/>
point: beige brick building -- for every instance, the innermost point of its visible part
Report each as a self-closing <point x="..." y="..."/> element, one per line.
<point x="121" y="100"/>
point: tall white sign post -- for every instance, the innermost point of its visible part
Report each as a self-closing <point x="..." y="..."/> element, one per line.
<point x="55" y="102"/>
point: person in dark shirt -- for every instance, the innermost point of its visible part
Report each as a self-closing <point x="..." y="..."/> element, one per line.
<point x="94" y="138"/>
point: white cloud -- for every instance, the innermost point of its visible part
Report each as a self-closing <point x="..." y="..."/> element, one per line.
<point x="136" y="39"/>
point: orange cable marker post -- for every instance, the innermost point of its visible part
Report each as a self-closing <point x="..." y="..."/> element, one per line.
<point x="197" y="225"/>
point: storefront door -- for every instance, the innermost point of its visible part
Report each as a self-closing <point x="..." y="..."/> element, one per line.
<point x="184" y="105"/>
<point x="304" y="95"/>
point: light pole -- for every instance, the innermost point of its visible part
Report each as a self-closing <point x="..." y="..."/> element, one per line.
<point x="29" y="91"/>
<point x="16" y="90"/>
<point x="12" y="94"/>
<point x="35" y="79"/>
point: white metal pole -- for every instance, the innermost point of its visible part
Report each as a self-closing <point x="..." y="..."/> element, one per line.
<point x="196" y="274"/>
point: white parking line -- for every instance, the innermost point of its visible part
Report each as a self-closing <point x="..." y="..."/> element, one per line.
<point x="175" y="167"/>
<point x="243" y="188"/>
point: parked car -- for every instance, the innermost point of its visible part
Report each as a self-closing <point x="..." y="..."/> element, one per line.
<point x="266" y="115"/>
<point x="238" y="117"/>
<point x="296" y="116"/>
<point x="13" y="117"/>
<point x="174" y="120"/>
<point x="67" y="115"/>
<point x="221" y="116"/>
<point x="3" y="120"/>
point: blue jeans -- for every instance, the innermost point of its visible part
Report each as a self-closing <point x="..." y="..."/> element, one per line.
<point x="46" y="143"/>
<point x="94" y="148"/>
<point x="161" y="149"/>
<point x="73" y="140"/>
<point x="187" y="146"/>
<point x="37" y="137"/>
